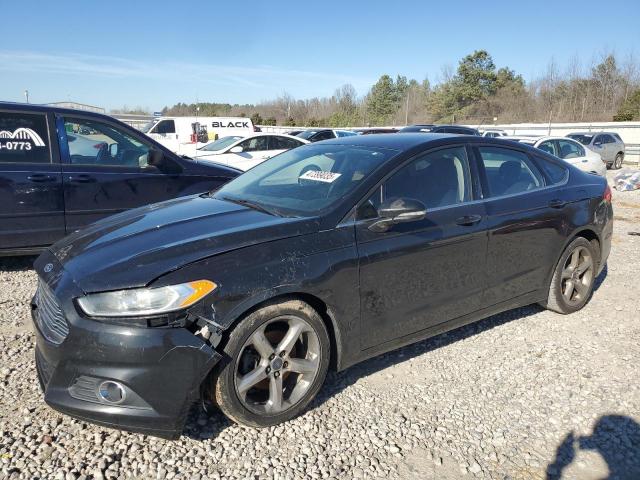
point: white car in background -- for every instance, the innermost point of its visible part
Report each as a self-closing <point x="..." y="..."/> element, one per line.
<point x="568" y="150"/>
<point x="246" y="151"/>
<point x="493" y="133"/>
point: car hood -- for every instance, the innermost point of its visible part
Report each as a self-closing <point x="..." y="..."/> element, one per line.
<point x="134" y="248"/>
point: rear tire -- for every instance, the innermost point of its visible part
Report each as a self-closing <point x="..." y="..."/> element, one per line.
<point x="274" y="363"/>
<point x="617" y="163"/>
<point x="574" y="277"/>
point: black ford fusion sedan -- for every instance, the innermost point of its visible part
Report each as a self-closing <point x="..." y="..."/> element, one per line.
<point x="319" y="258"/>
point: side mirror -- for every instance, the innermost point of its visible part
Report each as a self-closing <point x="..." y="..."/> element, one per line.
<point x="597" y="144"/>
<point x="113" y="149"/>
<point x="156" y="158"/>
<point x="398" y="210"/>
<point x="236" y="149"/>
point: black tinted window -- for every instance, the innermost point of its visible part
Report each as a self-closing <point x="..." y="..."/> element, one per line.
<point x="325" y="135"/>
<point x="509" y="171"/>
<point x="24" y="138"/>
<point x="437" y="179"/>
<point x="555" y="173"/>
<point x="283" y="143"/>
<point x="165" y="126"/>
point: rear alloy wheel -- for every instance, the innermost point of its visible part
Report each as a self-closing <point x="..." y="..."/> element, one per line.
<point x="573" y="278"/>
<point x="617" y="163"/>
<point x="278" y="358"/>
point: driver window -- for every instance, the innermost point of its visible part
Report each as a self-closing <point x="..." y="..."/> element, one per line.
<point x="437" y="179"/>
<point x="95" y="143"/>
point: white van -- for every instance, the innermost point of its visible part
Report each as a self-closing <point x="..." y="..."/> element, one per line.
<point x="184" y="135"/>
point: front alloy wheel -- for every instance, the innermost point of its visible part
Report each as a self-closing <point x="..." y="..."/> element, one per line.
<point x="278" y="358"/>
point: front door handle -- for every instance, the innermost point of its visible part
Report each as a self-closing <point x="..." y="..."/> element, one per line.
<point x="82" y="178"/>
<point x="40" y="178"/>
<point x="557" y="203"/>
<point x="468" y="220"/>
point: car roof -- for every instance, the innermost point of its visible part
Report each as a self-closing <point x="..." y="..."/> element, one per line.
<point x="408" y="140"/>
<point x="36" y="107"/>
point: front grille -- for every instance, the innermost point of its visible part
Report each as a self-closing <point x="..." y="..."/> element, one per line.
<point x="49" y="316"/>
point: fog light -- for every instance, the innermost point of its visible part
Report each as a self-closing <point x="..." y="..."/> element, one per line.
<point x="112" y="392"/>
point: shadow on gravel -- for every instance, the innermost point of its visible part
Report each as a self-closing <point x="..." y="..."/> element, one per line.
<point x="601" y="278"/>
<point x="203" y="425"/>
<point x="15" y="264"/>
<point x="615" y="437"/>
<point x="336" y="382"/>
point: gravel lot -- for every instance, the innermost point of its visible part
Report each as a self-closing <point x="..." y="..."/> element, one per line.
<point x="527" y="394"/>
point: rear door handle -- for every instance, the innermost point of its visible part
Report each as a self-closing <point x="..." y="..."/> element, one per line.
<point x="40" y="178"/>
<point x="468" y="220"/>
<point x="83" y="178"/>
<point x="557" y="203"/>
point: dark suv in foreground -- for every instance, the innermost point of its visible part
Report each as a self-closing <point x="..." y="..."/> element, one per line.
<point x="320" y="257"/>
<point x="62" y="169"/>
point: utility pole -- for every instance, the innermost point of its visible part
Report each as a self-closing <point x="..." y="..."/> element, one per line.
<point x="406" y="112"/>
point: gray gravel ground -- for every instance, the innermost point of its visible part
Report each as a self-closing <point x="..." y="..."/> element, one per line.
<point x="527" y="394"/>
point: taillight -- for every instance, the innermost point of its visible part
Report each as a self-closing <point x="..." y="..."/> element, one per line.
<point x="607" y="194"/>
<point x="98" y="146"/>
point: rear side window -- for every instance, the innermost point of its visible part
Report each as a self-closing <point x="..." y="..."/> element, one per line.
<point x="509" y="171"/>
<point x="255" y="144"/>
<point x="24" y="138"/>
<point x="556" y="174"/>
<point x="618" y="138"/>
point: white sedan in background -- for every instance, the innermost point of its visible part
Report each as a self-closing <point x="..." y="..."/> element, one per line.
<point x="568" y="150"/>
<point x="245" y="152"/>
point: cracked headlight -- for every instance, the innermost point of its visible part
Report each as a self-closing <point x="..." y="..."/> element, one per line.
<point x="145" y="301"/>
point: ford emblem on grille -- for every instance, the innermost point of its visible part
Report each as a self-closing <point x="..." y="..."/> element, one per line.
<point x="48" y="267"/>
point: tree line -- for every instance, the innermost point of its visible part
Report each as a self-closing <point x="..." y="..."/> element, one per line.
<point x="476" y="92"/>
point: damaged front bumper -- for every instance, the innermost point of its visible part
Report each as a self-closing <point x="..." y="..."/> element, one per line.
<point x="157" y="371"/>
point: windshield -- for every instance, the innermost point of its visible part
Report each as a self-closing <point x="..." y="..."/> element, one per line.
<point x="583" y="139"/>
<point x="307" y="134"/>
<point x="306" y="180"/>
<point x="221" y="143"/>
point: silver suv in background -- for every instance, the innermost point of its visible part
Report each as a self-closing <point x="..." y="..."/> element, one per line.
<point x="608" y="144"/>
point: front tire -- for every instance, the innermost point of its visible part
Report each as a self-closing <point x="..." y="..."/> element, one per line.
<point x="275" y="361"/>
<point x="617" y="163"/>
<point x="574" y="277"/>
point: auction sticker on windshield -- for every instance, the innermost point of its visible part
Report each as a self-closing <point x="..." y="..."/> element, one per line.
<point x="320" y="176"/>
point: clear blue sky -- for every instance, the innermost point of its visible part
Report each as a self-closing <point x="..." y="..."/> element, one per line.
<point x="152" y="54"/>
